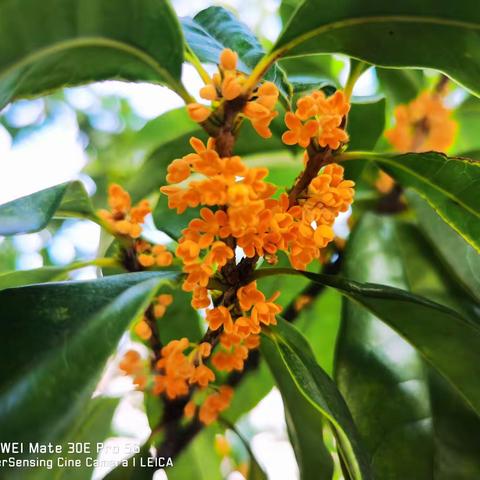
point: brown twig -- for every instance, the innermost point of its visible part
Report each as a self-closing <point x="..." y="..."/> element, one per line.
<point x="316" y="160"/>
<point x="154" y="340"/>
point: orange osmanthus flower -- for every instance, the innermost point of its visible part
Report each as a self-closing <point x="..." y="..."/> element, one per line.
<point x="228" y="85"/>
<point x="323" y="119"/>
<point x="220" y="317"/>
<point x="215" y="404"/>
<point x="122" y="218"/>
<point x="422" y="125"/>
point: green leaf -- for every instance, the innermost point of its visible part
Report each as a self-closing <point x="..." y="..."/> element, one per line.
<point x="320" y="322"/>
<point x="457" y="254"/>
<point x="287" y="7"/>
<point x="255" y="471"/>
<point x="401" y="86"/>
<point x="27" y="277"/>
<point x="439" y="333"/>
<point x="161" y="141"/>
<point x="366" y="122"/>
<point x="305" y="431"/>
<point x="153" y="409"/>
<point x="305" y="84"/>
<point x="467" y="116"/>
<point x="180" y="319"/>
<point x="457" y="433"/>
<point x="389" y="34"/>
<point x="64" y="334"/>
<point x="312" y="401"/>
<point x="214" y="29"/>
<point x="312" y="72"/>
<point x="407" y="435"/>
<point x="450" y="185"/>
<point x="169" y="221"/>
<point x="19" y="278"/>
<point x="321" y="66"/>
<point x="92" y="427"/>
<point x="69" y="42"/>
<point x="253" y="387"/>
<point x="199" y="460"/>
<point x="33" y="212"/>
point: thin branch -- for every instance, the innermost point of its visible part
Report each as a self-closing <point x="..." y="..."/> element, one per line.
<point x="154" y="340"/>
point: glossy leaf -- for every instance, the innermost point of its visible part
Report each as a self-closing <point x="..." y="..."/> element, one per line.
<point x="311" y="73"/>
<point x="389" y="34"/>
<point x="27" y="277"/>
<point x="458" y="255"/>
<point x="92" y="427"/>
<point x="365" y="125"/>
<point x="64" y="334"/>
<point x="180" y="319"/>
<point x="406" y="435"/>
<point x="401" y="86"/>
<point x="366" y="121"/>
<point x="169" y="221"/>
<point x="69" y="42"/>
<point x="373" y="363"/>
<point x="457" y="433"/>
<point x="255" y="386"/>
<point x="33" y="212"/>
<point x="287" y="7"/>
<point x="450" y="185"/>
<point x="255" y="471"/>
<point x="312" y="400"/>
<point x="160" y="141"/>
<point x="320" y="322"/>
<point x="436" y="331"/>
<point x="289" y="287"/>
<point x="214" y="29"/>
<point x="18" y="278"/>
<point x="305" y="430"/>
<point x="199" y="460"/>
<point x="467" y="116"/>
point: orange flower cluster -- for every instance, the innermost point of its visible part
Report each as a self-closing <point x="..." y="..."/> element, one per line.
<point x="241" y="193"/>
<point x="132" y="364"/>
<point x="422" y="125"/>
<point x="240" y="216"/>
<point x="227" y="84"/>
<point x="239" y="211"/>
<point x="125" y="220"/>
<point x="318" y="117"/>
<point x="242" y="333"/>
<point x="122" y="218"/>
<point x="178" y="370"/>
<point x="149" y="255"/>
<point x="212" y="406"/>
<point x="260" y="225"/>
<point x="160" y="304"/>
